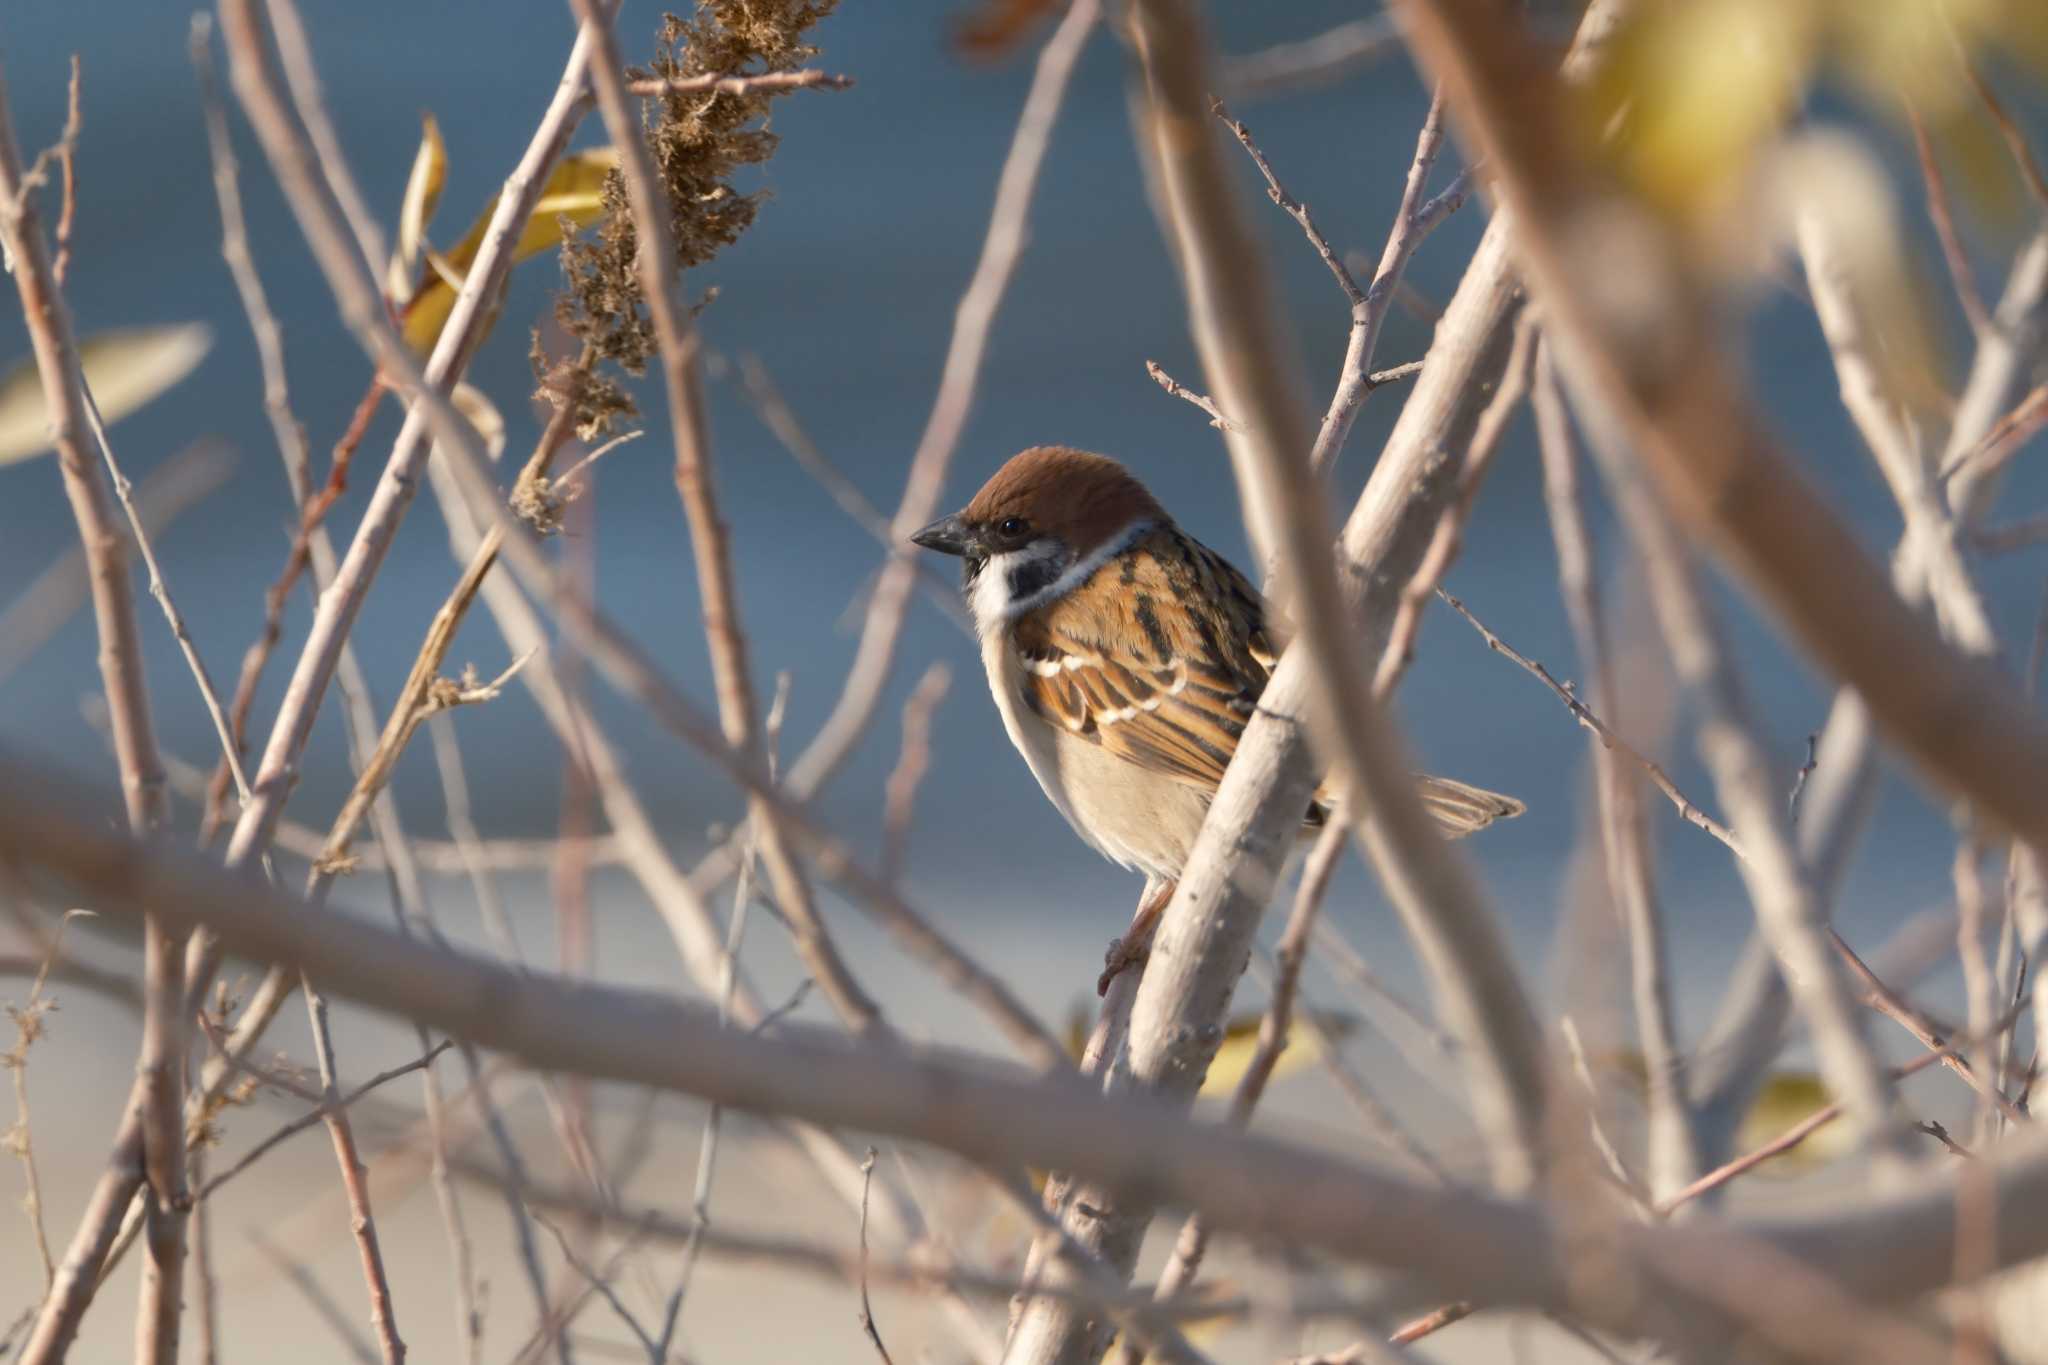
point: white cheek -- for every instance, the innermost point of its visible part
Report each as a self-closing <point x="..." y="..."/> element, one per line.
<point x="990" y="600"/>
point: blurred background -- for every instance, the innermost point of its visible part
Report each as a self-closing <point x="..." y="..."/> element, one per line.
<point x="845" y="291"/>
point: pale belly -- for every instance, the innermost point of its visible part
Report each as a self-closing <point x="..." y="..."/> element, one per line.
<point x="1140" y="819"/>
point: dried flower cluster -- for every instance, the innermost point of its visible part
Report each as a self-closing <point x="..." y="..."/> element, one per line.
<point x="699" y="140"/>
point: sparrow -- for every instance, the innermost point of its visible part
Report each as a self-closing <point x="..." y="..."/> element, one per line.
<point x="1126" y="658"/>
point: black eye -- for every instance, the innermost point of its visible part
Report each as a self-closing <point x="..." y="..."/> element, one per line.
<point x="1013" y="527"/>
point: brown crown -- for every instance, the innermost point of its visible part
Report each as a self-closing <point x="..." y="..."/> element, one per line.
<point x="1084" y="499"/>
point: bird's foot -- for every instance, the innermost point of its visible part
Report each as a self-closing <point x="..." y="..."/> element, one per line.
<point x="1129" y="951"/>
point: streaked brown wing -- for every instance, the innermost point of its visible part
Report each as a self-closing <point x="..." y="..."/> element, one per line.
<point x="1160" y="658"/>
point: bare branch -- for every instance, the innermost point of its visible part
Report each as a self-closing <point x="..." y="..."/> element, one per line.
<point x="1496" y="1250"/>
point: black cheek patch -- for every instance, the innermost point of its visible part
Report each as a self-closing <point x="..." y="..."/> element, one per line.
<point x="1033" y="575"/>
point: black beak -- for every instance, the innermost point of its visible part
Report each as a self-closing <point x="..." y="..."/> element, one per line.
<point x="948" y="535"/>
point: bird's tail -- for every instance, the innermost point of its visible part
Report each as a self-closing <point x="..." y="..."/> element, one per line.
<point x="1461" y="809"/>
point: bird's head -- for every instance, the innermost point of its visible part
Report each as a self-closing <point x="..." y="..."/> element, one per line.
<point x="1046" y="514"/>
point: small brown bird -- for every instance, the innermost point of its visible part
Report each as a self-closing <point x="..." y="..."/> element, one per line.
<point x="1126" y="658"/>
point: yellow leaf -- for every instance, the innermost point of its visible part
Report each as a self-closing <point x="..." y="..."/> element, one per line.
<point x="575" y="191"/>
<point x="1689" y="92"/>
<point x="422" y="196"/>
<point x="1789" y="1098"/>
<point x="1241" y="1043"/>
<point x="126" y="369"/>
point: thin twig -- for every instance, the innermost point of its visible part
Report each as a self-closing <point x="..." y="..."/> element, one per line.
<point x="781" y="419"/>
<point x="713" y="82"/>
<point x="1888" y="1002"/>
<point x="1186" y="394"/>
<point x="867" y="1312"/>
<point x="354" y="1181"/>
<point x="600" y="1281"/>
<point x="1941" y="1135"/>
<point x="1808" y="1126"/>
<point x="1413" y="221"/>
<point x="1585" y="716"/>
<point x="1397" y="373"/>
<point x="316" y="1115"/>
<point x="206" y="1317"/>
<point x="1610" y="1155"/>
<point x="67" y="161"/>
<point x="1799" y="777"/>
<point x="160" y="589"/>
<point x="1673" y="1136"/>
<point x="1291" y="206"/>
<point x="1941" y="211"/>
<point x="1310" y="62"/>
<point x="2015" y="138"/>
<point x="1999" y="444"/>
<point x="900" y="792"/>
<point x="322" y="1302"/>
<point x="1434" y="1321"/>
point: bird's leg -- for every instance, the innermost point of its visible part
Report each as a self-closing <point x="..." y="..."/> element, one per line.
<point x="1136" y="943"/>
